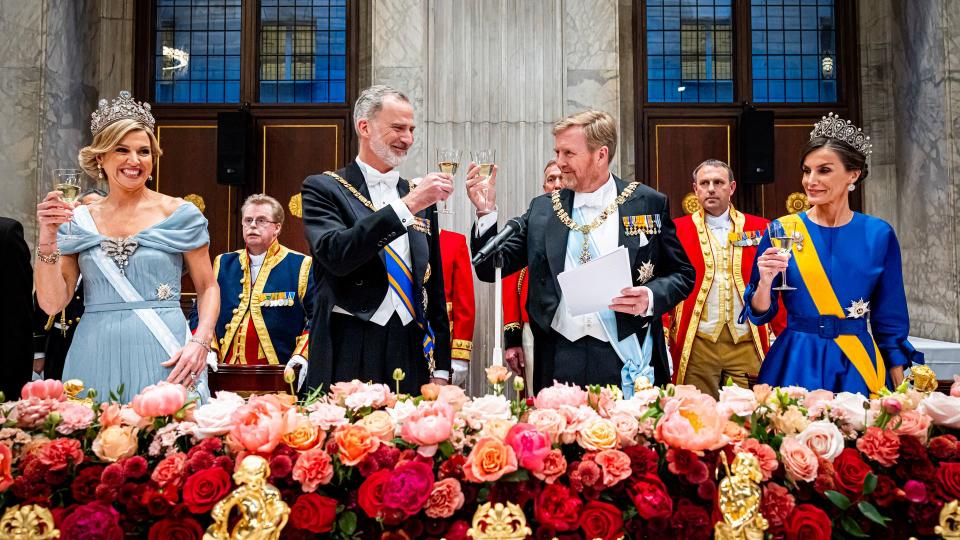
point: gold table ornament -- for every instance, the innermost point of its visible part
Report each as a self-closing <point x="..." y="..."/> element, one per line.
<point x="499" y="522"/>
<point x="28" y="522"/>
<point x="73" y="388"/>
<point x="261" y="510"/>
<point x="197" y="201"/>
<point x="923" y="378"/>
<point x="740" y="500"/>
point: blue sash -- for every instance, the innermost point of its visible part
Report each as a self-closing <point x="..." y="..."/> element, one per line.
<point x="636" y="359"/>
<point x="400" y="278"/>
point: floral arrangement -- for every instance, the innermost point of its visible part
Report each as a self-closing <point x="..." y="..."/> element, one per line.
<point x="361" y="461"/>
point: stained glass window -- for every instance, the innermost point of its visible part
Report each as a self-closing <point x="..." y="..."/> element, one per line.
<point x="303" y="51"/>
<point x="197" y="57"/>
<point x="689" y="51"/>
<point x="794" y="50"/>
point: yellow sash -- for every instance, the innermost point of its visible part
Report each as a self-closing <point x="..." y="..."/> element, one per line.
<point x="825" y="299"/>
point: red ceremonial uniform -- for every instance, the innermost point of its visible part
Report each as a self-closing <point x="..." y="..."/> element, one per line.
<point x="458" y="284"/>
<point x="684" y="319"/>
<point x="514" y="308"/>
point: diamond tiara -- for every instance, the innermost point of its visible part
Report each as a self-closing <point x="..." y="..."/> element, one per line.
<point x="834" y="127"/>
<point x="120" y="108"/>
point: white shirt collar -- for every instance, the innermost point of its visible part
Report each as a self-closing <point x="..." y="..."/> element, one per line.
<point x="598" y="199"/>
<point x="719" y="222"/>
<point x="373" y="176"/>
<point x="257" y="260"/>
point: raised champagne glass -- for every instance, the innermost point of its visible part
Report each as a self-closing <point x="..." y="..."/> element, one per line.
<point x="485" y="159"/>
<point x="67" y="182"/>
<point x="782" y="236"/>
<point x="448" y="159"/>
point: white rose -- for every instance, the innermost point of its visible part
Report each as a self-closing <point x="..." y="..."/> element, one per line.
<point x="549" y="422"/>
<point x="824" y="438"/>
<point x="489" y="407"/>
<point x="215" y="418"/>
<point x="736" y="400"/>
<point x="849" y="408"/>
<point x="944" y="410"/>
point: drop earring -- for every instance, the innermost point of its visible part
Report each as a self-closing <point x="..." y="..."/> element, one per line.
<point x="100" y="171"/>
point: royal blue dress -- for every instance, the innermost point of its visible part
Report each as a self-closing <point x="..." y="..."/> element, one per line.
<point x="862" y="262"/>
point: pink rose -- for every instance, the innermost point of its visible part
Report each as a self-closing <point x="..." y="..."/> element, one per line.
<point x="259" y="425"/>
<point x="848" y="408"/>
<point x="215" y="418"/>
<point x="598" y="434"/>
<point x="554" y="466"/>
<point x="914" y="424"/>
<point x="692" y="423"/>
<point x="74" y="416"/>
<point x="942" y="409"/>
<point x="161" y="399"/>
<point x="824" y="438"/>
<point x="554" y="396"/>
<point x="489" y="460"/>
<point x="738" y="401"/>
<point x="549" y="422"/>
<point x="627" y="428"/>
<point x="880" y="445"/>
<point x="766" y="456"/>
<point x="576" y="418"/>
<point x="529" y="444"/>
<point x="326" y="416"/>
<point x="313" y="468"/>
<point x="109" y="414"/>
<point x="445" y="499"/>
<point x="115" y="442"/>
<point x="46" y="389"/>
<point x="129" y="417"/>
<point x="380" y="424"/>
<point x="615" y="466"/>
<point x="799" y="461"/>
<point x="430" y="425"/>
<point x="816" y="402"/>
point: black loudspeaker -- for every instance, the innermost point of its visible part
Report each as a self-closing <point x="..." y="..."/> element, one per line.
<point x="233" y="147"/>
<point x="756" y="147"/>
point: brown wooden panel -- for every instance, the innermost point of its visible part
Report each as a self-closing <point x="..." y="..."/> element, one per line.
<point x="291" y="151"/>
<point x="790" y="136"/>
<point x="679" y="146"/>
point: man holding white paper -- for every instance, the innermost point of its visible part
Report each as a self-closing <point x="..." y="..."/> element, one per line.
<point x="594" y="215"/>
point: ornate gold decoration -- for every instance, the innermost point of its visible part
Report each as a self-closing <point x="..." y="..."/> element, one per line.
<point x="740" y="500"/>
<point x="641" y="384"/>
<point x="586" y="229"/>
<point x="797" y="202"/>
<point x="73" y="388"/>
<point x="691" y="204"/>
<point x="28" y="522"/>
<point x="262" y="512"/>
<point x="949" y="526"/>
<point x="499" y="522"/>
<point x="197" y="201"/>
<point x="923" y="378"/>
<point x="363" y="200"/>
<point x="296" y="205"/>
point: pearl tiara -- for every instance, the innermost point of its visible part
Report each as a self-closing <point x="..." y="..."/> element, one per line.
<point x="834" y="127"/>
<point x="120" y="108"/>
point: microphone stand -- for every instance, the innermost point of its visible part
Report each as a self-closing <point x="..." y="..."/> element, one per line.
<point x="498" y="308"/>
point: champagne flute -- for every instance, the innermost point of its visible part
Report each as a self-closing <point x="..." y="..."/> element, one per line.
<point x="67" y="182"/>
<point x="782" y="236"/>
<point x="485" y="159"/>
<point x="448" y="159"/>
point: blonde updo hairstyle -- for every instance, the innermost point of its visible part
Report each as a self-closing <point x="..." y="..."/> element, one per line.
<point x="108" y="138"/>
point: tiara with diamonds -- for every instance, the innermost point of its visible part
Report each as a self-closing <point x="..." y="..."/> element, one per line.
<point x="834" y="127"/>
<point x="120" y="108"/>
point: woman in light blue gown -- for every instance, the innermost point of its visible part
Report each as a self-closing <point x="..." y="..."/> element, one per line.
<point x="131" y="249"/>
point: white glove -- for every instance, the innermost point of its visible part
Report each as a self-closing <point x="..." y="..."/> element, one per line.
<point x="212" y="361"/>
<point x="297" y="360"/>
<point x="460" y="370"/>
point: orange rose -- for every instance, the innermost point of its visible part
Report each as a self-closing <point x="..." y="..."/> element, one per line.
<point x="489" y="460"/>
<point x="302" y="434"/>
<point x="355" y="443"/>
<point x="430" y="391"/>
<point x="497" y="374"/>
<point x="115" y="442"/>
<point x="380" y="425"/>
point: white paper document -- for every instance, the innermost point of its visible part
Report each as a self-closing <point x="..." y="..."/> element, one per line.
<point x="590" y="287"/>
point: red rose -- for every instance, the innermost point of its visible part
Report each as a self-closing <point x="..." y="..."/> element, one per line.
<point x="558" y="507"/>
<point x="807" y="522"/>
<point x="885" y="493"/>
<point x="409" y="487"/>
<point x="691" y="521"/>
<point x="948" y="481"/>
<point x="205" y="488"/>
<point x="370" y="494"/>
<point x="84" y="486"/>
<point x="457" y="531"/>
<point x="314" y="513"/>
<point x="185" y="528"/>
<point x="601" y="520"/>
<point x="943" y="447"/>
<point x="157" y="503"/>
<point x="850" y="471"/>
<point x="651" y="498"/>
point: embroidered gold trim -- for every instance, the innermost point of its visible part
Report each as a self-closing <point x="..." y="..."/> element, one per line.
<point x="464" y="344"/>
<point x="523" y="274"/>
<point x="511" y="326"/>
<point x="355" y="192"/>
<point x="593" y="225"/>
<point x="460" y="354"/>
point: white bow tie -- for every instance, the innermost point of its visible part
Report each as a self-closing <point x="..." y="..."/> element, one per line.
<point x="590" y="200"/>
<point x="389" y="179"/>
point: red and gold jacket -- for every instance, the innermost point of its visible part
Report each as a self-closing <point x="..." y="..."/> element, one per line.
<point x="684" y="320"/>
<point x="514" y="308"/>
<point x="458" y="285"/>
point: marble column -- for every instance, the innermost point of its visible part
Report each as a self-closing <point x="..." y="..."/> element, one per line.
<point x="497" y="74"/>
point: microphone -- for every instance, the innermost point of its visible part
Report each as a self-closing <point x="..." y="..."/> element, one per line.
<point x="510" y="228"/>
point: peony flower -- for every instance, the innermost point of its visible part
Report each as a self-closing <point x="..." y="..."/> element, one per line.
<point x="129" y="417"/>
<point x="497" y="374"/>
<point x="313" y="468"/>
<point x="326" y="416"/>
<point x="215" y="418"/>
<point x="880" y="445"/>
<point x="445" y="499"/>
<point x="824" y="438"/>
<point x="598" y="434"/>
<point x="74" y="416"/>
<point x="380" y="424"/>
<point x="955" y="387"/>
<point x="799" y="461"/>
<point x="914" y="424"/>
<point x="408" y="488"/>
<point x="371" y="396"/>
<point x="483" y="409"/>
<point x="530" y="445"/>
<point x="489" y="460"/>
<point x="692" y="423"/>
<point x="258" y="425"/>
<point x="615" y="466"/>
<point x="339" y="391"/>
<point x="942" y="409"/>
<point x="115" y="442"/>
<point x="554" y="466"/>
<point x="109" y="414"/>
<point x="161" y="399"/>
<point x="552" y="397"/>
<point x="93" y="520"/>
<point x="430" y="425"/>
<point x="549" y="422"/>
<point x="736" y="400"/>
<point x="46" y="389"/>
<point x="354" y="443"/>
<point x="453" y="395"/>
<point x="766" y="456"/>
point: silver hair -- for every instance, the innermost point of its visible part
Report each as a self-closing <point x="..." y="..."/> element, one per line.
<point x="371" y="99"/>
<point x="714" y="163"/>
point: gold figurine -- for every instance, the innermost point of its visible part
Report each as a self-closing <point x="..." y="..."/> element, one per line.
<point x="28" y="522"/>
<point x="499" y="522"/>
<point x="923" y="379"/>
<point x="262" y="512"/>
<point x="740" y="500"/>
<point x="73" y="388"/>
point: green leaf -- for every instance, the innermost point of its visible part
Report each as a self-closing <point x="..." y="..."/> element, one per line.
<point x="347" y="523"/>
<point x="520" y="475"/>
<point x="869" y="483"/>
<point x="838" y="499"/>
<point x="871" y="513"/>
<point x="852" y="528"/>
<point x="446" y="448"/>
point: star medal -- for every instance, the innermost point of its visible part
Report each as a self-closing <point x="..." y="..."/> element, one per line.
<point x="645" y="272"/>
<point x="164" y="291"/>
<point x="858" y="309"/>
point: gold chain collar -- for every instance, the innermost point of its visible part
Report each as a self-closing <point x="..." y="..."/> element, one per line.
<point x="356" y="193"/>
<point x="592" y="226"/>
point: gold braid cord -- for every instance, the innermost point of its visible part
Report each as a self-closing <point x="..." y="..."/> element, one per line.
<point x="593" y="225"/>
<point x="355" y="192"/>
